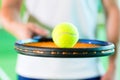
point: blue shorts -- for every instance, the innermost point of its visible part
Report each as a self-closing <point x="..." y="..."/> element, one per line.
<point x="24" y="78"/>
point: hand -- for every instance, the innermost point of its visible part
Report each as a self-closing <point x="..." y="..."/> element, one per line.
<point x="26" y="31"/>
<point x="109" y="75"/>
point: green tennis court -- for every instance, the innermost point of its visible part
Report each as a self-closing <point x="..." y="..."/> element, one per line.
<point x="7" y="54"/>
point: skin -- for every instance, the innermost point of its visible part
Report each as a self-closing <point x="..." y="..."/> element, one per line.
<point x="10" y="15"/>
<point x="112" y="16"/>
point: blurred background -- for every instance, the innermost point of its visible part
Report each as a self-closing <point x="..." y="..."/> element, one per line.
<point x="8" y="55"/>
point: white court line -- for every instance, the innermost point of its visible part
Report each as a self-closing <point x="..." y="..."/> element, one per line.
<point x="3" y="75"/>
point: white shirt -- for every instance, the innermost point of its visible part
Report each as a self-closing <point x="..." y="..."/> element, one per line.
<point x="83" y="14"/>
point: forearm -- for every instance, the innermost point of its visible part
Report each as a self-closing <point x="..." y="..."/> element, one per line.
<point x="10" y="13"/>
<point x="113" y="31"/>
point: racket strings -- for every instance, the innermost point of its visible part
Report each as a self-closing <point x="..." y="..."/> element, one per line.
<point x="52" y="45"/>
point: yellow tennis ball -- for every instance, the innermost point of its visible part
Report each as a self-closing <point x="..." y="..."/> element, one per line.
<point x="65" y="35"/>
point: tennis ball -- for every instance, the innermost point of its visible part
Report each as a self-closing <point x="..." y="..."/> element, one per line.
<point x="65" y="35"/>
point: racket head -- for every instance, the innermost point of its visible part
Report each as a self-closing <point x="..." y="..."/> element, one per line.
<point x="104" y="49"/>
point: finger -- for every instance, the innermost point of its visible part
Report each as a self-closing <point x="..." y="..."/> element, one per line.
<point x="24" y="35"/>
<point x="41" y="31"/>
<point x="37" y="30"/>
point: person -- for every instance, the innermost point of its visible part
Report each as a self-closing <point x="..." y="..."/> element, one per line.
<point x="83" y="14"/>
